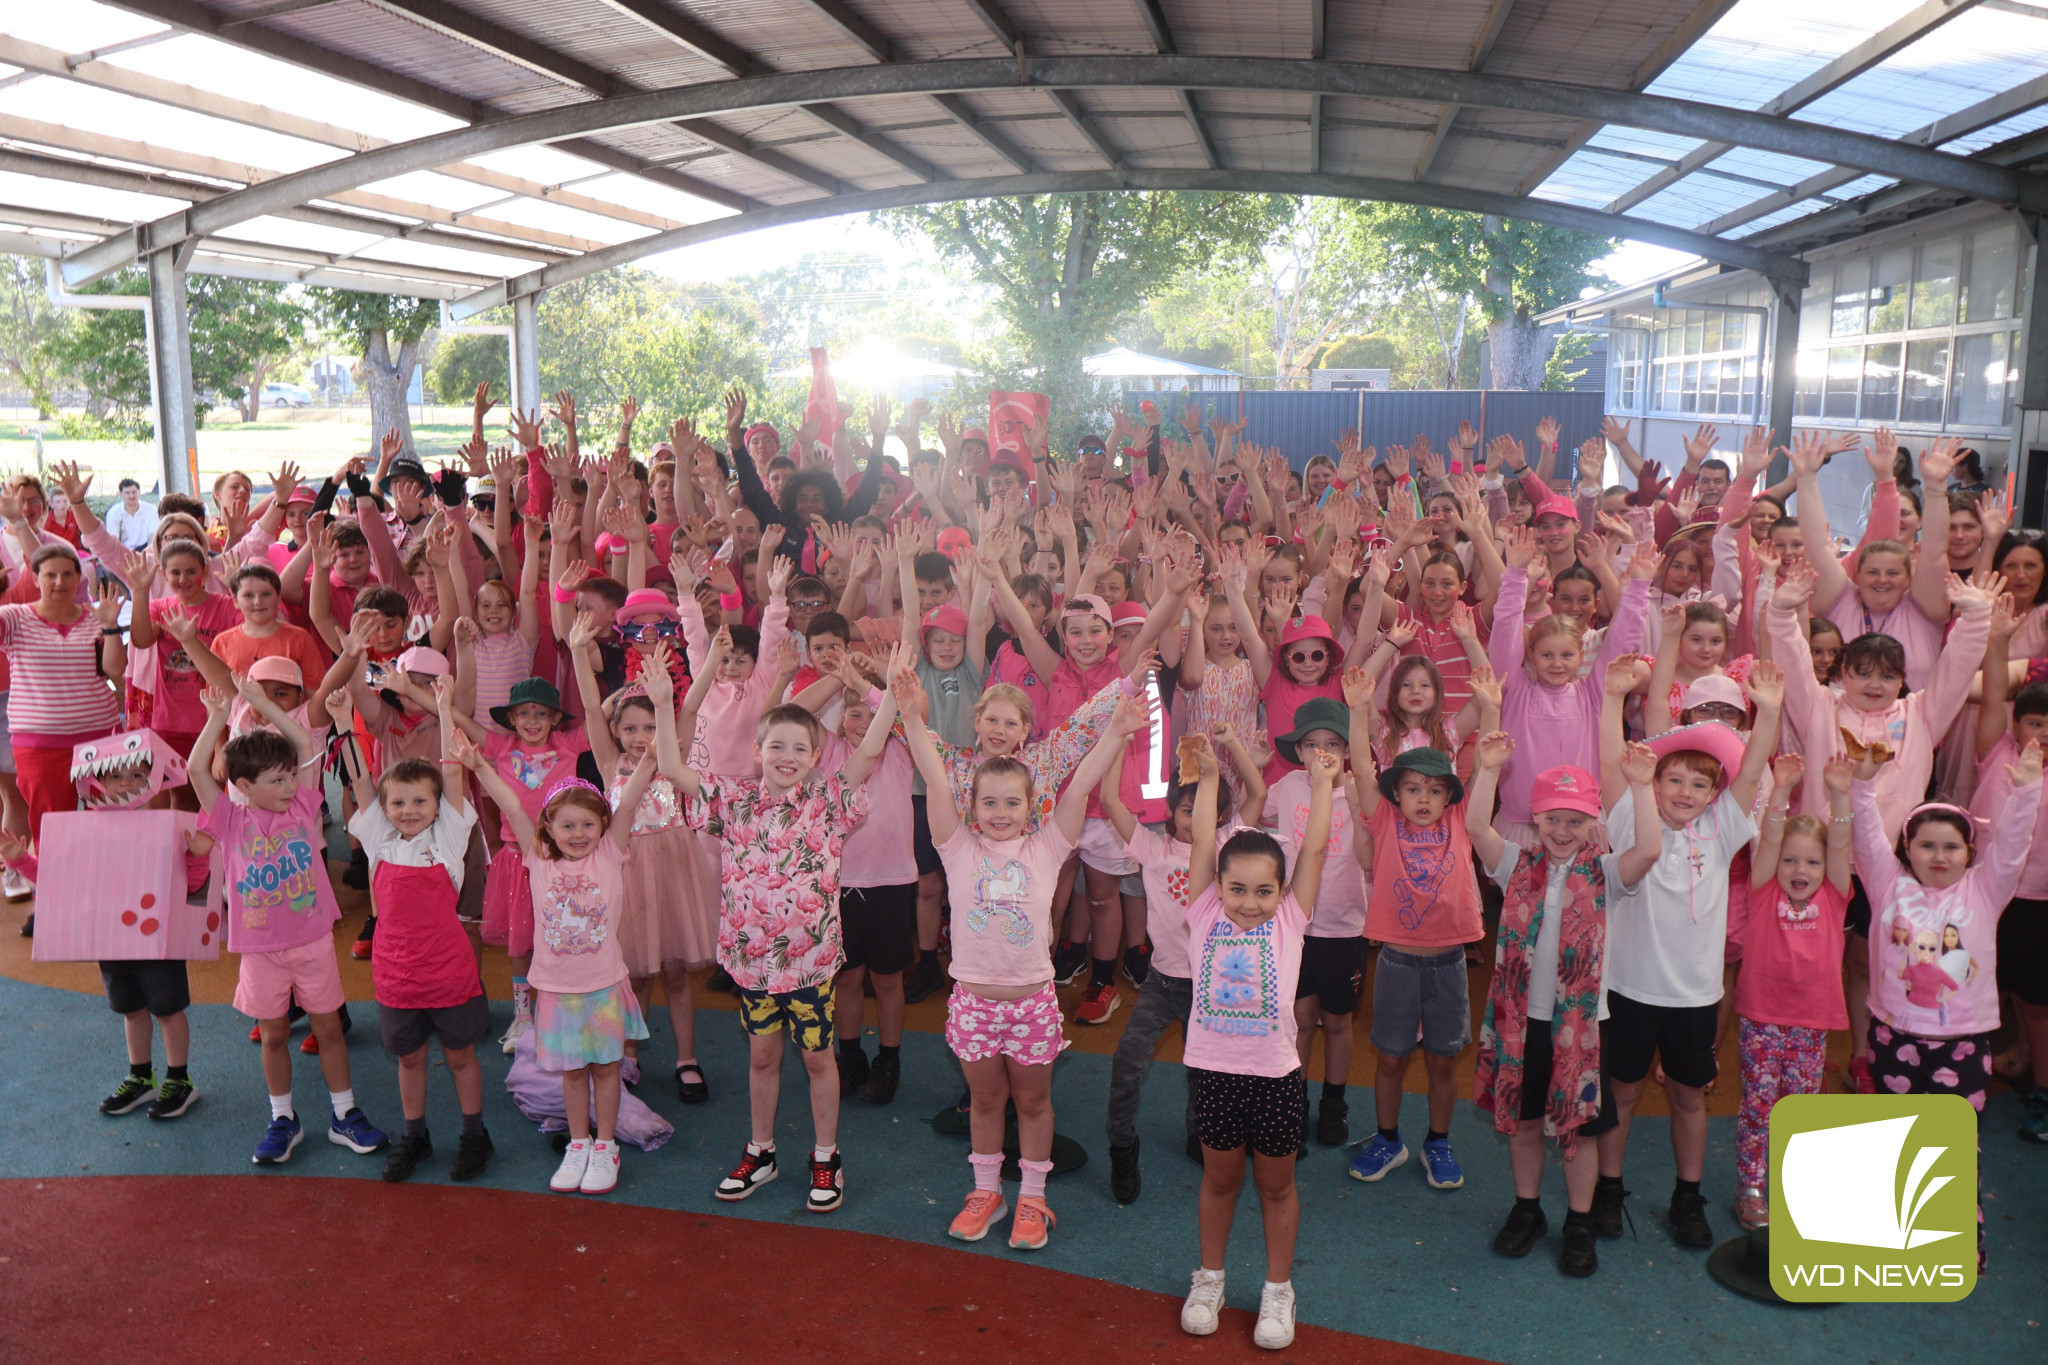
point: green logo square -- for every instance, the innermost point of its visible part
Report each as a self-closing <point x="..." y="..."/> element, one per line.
<point x="1873" y="1198"/>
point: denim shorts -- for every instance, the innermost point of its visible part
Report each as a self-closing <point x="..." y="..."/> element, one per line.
<point x="1423" y="994"/>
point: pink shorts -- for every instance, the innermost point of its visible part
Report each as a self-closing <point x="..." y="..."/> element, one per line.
<point x="269" y="981"/>
<point x="1027" y="1030"/>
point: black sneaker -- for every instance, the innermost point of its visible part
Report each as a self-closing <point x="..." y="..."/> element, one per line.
<point x="130" y="1095"/>
<point x="1069" y="960"/>
<point x="471" y="1155"/>
<point x="1689" y="1226"/>
<point x="1524" y="1228"/>
<point x="1607" y="1207"/>
<point x="173" y="1098"/>
<point x="828" y="1185"/>
<point x="689" y="1091"/>
<point x="28" y="926"/>
<point x="853" y="1070"/>
<point x="924" y="977"/>
<point x="1123" y="1173"/>
<point x="721" y="980"/>
<point x="357" y="874"/>
<point x="1137" y="963"/>
<point x="406" y="1154"/>
<point x="1580" y="1256"/>
<point x="883" y="1078"/>
<point x="1333" y="1122"/>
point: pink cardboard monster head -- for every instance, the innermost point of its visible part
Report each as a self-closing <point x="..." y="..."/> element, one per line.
<point x="122" y="772"/>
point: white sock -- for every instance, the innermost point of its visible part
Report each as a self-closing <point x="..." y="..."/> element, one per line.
<point x="760" y="1148"/>
<point x="281" y="1106"/>
<point x="823" y="1153"/>
<point x="343" y="1101"/>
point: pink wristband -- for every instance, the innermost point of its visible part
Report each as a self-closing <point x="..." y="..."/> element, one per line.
<point x="731" y="601"/>
<point x="563" y="595"/>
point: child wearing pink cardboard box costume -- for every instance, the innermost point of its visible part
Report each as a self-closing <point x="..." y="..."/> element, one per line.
<point x="141" y="950"/>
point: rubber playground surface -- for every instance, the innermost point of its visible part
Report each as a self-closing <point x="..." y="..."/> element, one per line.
<point x="123" y="1239"/>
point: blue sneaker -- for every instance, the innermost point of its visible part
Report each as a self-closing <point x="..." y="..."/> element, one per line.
<point x="1377" y="1158"/>
<point x="1439" y="1167"/>
<point x="278" y="1140"/>
<point x="357" y="1134"/>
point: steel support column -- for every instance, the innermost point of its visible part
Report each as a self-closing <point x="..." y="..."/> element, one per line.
<point x="526" y="353"/>
<point x="2030" y="423"/>
<point x="1784" y="366"/>
<point x="170" y="366"/>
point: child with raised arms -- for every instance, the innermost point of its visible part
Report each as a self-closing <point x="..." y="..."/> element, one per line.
<point x="1167" y="996"/>
<point x="1003" y="1021"/>
<point x="281" y="909"/>
<point x="414" y="824"/>
<point x="584" y="1009"/>
<point x="1246" y="920"/>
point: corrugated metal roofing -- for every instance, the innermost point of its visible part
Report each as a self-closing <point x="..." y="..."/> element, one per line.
<point x="1304" y="425"/>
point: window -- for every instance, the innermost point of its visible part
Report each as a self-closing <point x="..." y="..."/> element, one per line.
<point x="1934" y="286"/>
<point x="1926" y="382"/>
<point x="1845" y="365"/>
<point x="1625" y="348"/>
<point x="1993" y="265"/>
<point x="1983" y="381"/>
<point x="1852" y="297"/>
<point x="1889" y="291"/>
<point x="1880" y="383"/>
<point x="1704" y="360"/>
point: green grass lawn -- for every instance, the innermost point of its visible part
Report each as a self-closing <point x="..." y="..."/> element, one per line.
<point x="257" y="448"/>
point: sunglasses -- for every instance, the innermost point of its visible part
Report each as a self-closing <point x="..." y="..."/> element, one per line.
<point x="483" y="502"/>
<point x="1307" y="656"/>
<point x="650" y="630"/>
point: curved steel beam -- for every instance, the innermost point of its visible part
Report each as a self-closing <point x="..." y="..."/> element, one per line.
<point x="1775" y="265"/>
<point x="1684" y="118"/>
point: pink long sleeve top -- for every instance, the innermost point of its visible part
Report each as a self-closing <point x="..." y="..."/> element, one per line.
<point x="1911" y="726"/>
<point x="1551" y="725"/>
<point x="724" y="743"/>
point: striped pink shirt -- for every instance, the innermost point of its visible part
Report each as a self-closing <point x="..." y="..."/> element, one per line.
<point x="58" y="692"/>
<point x="501" y="660"/>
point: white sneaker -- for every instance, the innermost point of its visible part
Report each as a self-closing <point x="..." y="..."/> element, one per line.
<point x="1205" y="1300"/>
<point x="569" y="1175"/>
<point x="1275" y="1331"/>
<point x="520" y="1024"/>
<point x="602" y="1174"/>
<point x="14" y="886"/>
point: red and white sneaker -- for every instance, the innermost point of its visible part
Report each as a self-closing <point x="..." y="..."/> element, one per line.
<point x="755" y="1170"/>
<point x="828" y="1185"/>
<point x="1097" y="1004"/>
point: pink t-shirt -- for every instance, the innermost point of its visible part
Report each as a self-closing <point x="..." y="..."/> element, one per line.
<point x="1425" y="894"/>
<point x="1792" y="960"/>
<point x="1163" y="861"/>
<point x="1994" y="791"/>
<point x="1002" y="904"/>
<point x="878" y="851"/>
<point x="533" y="772"/>
<point x="501" y="660"/>
<point x="278" y="894"/>
<point x="175" y="708"/>
<point x="1918" y="635"/>
<point x="1340" y="902"/>
<point x="575" y="913"/>
<point x="1283" y="697"/>
<point x="1010" y="666"/>
<point x="1244" y="979"/>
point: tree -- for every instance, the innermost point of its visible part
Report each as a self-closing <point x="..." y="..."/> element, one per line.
<point x="1511" y="269"/>
<point x="376" y="323"/>
<point x="1373" y="351"/>
<point x="1065" y="268"/>
<point x="1564" y="369"/>
<point x="29" y="325"/>
<point x="242" y="330"/>
<point x="463" y="360"/>
<point x="102" y="352"/>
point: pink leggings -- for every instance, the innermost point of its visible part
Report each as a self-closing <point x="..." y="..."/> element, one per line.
<point x="1777" y="1060"/>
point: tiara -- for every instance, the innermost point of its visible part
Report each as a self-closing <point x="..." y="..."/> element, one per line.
<point x="567" y="784"/>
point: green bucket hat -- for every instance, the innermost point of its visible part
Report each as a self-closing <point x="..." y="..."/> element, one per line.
<point x="1428" y="762"/>
<point x="1317" y="713"/>
<point x="526" y="690"/>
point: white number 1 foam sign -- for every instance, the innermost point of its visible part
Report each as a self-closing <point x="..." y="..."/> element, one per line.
<point x="1154" y="787"/>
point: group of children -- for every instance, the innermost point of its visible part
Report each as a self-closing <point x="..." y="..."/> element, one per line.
<point x="1242" y="735"/>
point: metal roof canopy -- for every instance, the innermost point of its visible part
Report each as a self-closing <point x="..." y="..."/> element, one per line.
<point x="591" y="133"/>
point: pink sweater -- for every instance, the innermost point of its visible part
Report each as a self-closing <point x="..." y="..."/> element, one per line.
<point x="1912" y="726"/>
<point x="724" y="744"/>
<point x="1552" y="725"/>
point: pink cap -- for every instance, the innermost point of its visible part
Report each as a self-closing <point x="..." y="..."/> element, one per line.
<point x="953" y="541"/>
<point x="948" y="618"/>
<point x="1714" y="687"/>
<point x="1565" y="788"/>
<point x="763" y="429"/>
<point x="974" y="434"/>
<point x="1128" y="613"/>
<point x="1719" y="742"/>
<point x="303" y="494"/>
<point x="646" y="602"/>
<point x="277" y="668"/>
<point x="1307" y="628"/>
<point x="1556" y="505"/>
<point x="420" y="659"/>
<point x="1087" y="604"/>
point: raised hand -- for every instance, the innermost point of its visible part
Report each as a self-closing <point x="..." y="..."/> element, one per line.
<point x="1644" y="565"/>
<point x="217" y="700"/>
<point x="1518" y="547"/>
<point x="1467" y="438"/>
<point x="1795" y="586"/>
<point x="1766" y="685"/>
<point x="1964" y="596"/>
<point x="1937" y="462"/>
<point x="1486" y="685"/>
<point x="179" y="625"/>
<point x="1402" y="634"/>
<point x="1358" y="688"/>
<point x="1547" y="431"/>
<point x="1626" y="674"/>
<point x="71" y="480"/>
<point x="1700" y="444"/>
<point x="2028" y="769"/>
<point x="1808" y="453"/>
<point x="1494" y="749"/>
<point x="1786" y="770"/>
<point x="106" y="606"/>
<point x="1838" y="773"/>
<point x="1639" y="765"/>
<point x="525" y="428"/>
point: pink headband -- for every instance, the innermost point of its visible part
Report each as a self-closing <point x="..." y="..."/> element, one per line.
<point x="564" y="785"/>
<point x="1929" y="807"/>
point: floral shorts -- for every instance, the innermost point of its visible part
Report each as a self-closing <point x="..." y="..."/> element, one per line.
<point x="1026" y="1031"/>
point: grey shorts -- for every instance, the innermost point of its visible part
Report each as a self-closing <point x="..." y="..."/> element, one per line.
<point x="1425" y="993"/>
<point x="457" y="1026"/>
<point x="6" y="738"/>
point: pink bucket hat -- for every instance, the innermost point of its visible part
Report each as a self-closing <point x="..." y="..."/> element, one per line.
<point x="646" y="602"/>
<point x="1565" y="788"/>
<point x="1722" y="743"/>
<point x="1711" y="688"/>
<point x="1307" y="628"/>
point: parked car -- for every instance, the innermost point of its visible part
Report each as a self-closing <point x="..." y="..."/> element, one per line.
<point x="285" y="396"/>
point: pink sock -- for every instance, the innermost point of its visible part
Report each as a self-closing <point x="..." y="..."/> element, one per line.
<point x="988" y="1171"/>
<point x="1035" y="1173"/>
